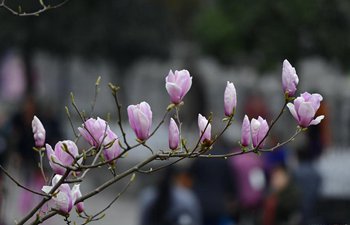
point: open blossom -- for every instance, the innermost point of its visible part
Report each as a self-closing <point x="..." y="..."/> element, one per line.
<point x="259" y="129"/>
<point x="246" y="135"/>
<point x="290" y="79"/>
<point x="39" y="132"/>
<point x="230" y="99"/>
<point x="202" y="124"/>
<point x="178" y="84"/>
<point x="93" y="130"/>
<point x="304" y="109"/>
<point x="111" y="146"/>
<point x="66" y="197"/>
<point x="140" y="119"/>
<point x="174" y="135"/>
<point x="60" y="157"/>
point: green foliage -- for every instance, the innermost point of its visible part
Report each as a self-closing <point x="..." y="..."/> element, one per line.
<point x="266" y="31"/>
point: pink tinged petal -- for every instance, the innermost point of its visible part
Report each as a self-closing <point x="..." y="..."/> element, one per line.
<point x="54" y="161"/>
<point x="255" y="127"/>
<point x="146" y="109"/>
<point x="65" y="158"/>
<point x="77" y="194"/>
<point x="143" y="126"/>
<point x="170" y="77"/>
<point x="264" y="127"/>
<point x="230" y="99"/>
<point x="114" y="150"/>
<point x="174" y="92"/>
<point x="297" y="102"/>
<point x="131" y="109"/>
<point x="202" y="124"/>
<point x="306" y="114"/>
<point x="245" y="138"/>
<point x="292" y="111"/>
<point x="317" y="120"/>
<point x="174" y="135"/>
<point x="184" y="81"/>
<point x="316" y="101"/>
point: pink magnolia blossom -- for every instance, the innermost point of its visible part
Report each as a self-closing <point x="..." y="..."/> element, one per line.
<point x="203" y="128"/>
<point x="259" y="129"/>
<point x="39" y="132"/>
<point x="290" y="79"/>
<point x="66" y="197"/>
<point x="174" y="135"/>
<point x="60" y="157"/>
<point x="140" y="119"/>
<point x="178" y="84"/>
<point x="246" y="135"/>
<point x="63" y="200"/>
<point x="93" y="130"/>
<point x="230" y="99"/>
<point x="304" y="109"/>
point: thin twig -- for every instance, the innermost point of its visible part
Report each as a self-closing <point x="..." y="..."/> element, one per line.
<point x="19" y="184"/>
<point x="35" y="13"/>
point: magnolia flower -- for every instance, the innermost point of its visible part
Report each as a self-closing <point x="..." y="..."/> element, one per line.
<point x="140" y="119"/>
<point x="290" y="79"/>
<point x="111" y="146"/>
<point x="259" y="129"/>
<point x="305" y="108"/>
<point x="77" y="194"/>
<point x="174" y="135"/>
<point x="39" y="132"/>
<point x="93" y="130"/>
<point x="65" y="197"/>
<point x="203" y="128"/>
<point x="60" y="157"/>
<point x="230" y="99"/>
<point x="63" y="200"/>
<point x="178" y="84"/>
<point x="246" y="135"/>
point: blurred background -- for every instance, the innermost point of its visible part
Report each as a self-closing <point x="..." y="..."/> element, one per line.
<point x="134" y="44"/>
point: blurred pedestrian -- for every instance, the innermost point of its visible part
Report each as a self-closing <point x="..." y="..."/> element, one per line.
<point x="171" y="202"/>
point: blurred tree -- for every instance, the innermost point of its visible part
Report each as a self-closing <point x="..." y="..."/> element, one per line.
<point x="267" y="31"/>
<point x="123" y="29"/>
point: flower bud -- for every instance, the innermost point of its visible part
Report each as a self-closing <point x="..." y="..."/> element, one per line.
<point x="230" y="99"/>
<point x="174" y="135"/>
<point x="245" y="138"/>
<point x="259" y="129"/>
<point x="60" y="157"/>
<point x="304" y="109"/>
<point x="290" y="79"/>
<point x="39" y="132"/>
<point x="140" y="119"/>
<point x="178" y="84"/>
<point x="203" y="128"/>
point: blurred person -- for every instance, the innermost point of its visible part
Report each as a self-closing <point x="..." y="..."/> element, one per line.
<point x="282" y="204"/>
<point x="215" y="189"/>
<point x="250" y="183"/>
<point x="309" y="182"/>
<point x="171" y="202"/>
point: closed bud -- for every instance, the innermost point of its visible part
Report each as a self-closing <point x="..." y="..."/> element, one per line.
<point x="174" y="135"/>
<point x="230" y="99"/>
<point x="140" y="119"/>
